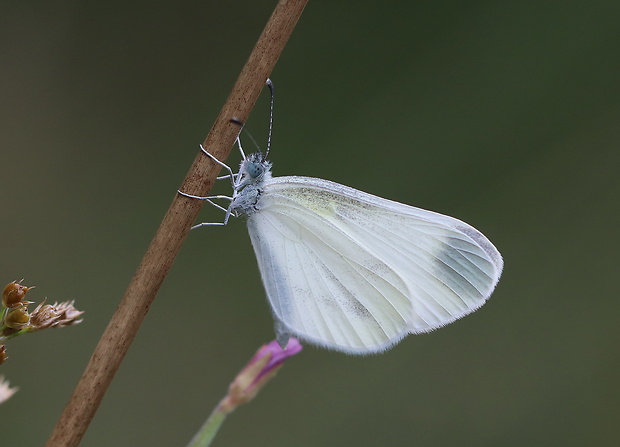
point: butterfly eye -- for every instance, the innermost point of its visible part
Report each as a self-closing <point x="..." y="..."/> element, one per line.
<point x="255" y="170"/>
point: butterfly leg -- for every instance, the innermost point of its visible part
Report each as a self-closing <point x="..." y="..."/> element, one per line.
<point x="208" y="199"/>
<point x="221" y="177"/>
<point x="230" y="175"/>
<point x="205" y="224"/>
<point x="234" y="177"/>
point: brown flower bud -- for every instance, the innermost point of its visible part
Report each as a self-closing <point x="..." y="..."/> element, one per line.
<point x="3" y="356"/>
<point x="14" y="294"/>
<point x="17" y="318"/>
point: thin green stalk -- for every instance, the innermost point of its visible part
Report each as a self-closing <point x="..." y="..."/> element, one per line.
<point x="209" y="429"/>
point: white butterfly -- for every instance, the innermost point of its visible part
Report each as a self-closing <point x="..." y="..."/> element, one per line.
<point x="353" y="272"/>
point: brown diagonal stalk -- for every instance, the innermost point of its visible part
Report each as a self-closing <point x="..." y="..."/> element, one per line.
<point x="164" y="247"/>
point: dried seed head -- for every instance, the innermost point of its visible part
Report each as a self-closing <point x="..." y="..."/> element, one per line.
<point x="54" y="315"/>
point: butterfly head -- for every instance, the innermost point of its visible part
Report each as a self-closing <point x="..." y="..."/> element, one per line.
<point x="254" y="169"/>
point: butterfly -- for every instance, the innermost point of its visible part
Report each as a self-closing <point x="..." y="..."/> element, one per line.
<point x="353" y="272"/>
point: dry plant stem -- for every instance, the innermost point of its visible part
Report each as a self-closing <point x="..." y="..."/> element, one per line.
<point x="160" y="255"/>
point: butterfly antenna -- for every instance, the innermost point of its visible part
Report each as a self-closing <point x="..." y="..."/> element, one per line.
<point x="247" y="132"/>
<point x="270" y="85"/>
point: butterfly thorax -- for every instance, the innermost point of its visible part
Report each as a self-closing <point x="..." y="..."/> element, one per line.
<point x="253" y="172"/>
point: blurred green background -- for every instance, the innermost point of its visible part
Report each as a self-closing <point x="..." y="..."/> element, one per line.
<point x="503" y="114"/>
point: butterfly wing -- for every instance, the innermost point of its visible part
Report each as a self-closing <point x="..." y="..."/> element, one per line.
<point x="354" y="272"/>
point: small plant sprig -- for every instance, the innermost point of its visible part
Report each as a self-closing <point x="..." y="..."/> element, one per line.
<point x="250" y="380"/>
<point x="16" y="320"/>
